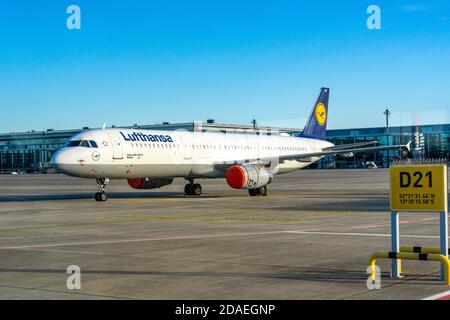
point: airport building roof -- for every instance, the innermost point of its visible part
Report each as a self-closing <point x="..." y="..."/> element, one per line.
<point x="204" y="126"/>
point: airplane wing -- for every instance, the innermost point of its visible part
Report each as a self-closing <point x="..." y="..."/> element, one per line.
<point x="351" y="145"/>
<point x="347" y="150"/>
<point x="307" y="157"/>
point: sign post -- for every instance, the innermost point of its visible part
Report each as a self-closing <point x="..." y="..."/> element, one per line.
<point x="421" y="188"/>
<point x="395" y="244"/>
<point x="443" y="221"/>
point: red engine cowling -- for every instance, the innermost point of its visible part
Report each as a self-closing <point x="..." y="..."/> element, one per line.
<point x="247" y="177"/>
<point x="147" y="183"/>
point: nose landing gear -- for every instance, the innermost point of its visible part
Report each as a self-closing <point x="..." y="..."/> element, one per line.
<point x="102" y="195"/>
<point x="192" y="189"/>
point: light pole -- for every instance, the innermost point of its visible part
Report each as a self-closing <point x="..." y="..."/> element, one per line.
<point x="387" y="113"/>
<point x="254" y="124"/>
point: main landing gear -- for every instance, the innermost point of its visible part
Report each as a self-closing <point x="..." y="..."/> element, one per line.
<point x="102" y="195"/>
<point x="192" y="189"/>
<point x="258" y="192"/>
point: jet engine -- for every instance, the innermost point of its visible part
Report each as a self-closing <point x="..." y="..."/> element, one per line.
<point x="148" y="183"/>
<point x="247" y="177"/>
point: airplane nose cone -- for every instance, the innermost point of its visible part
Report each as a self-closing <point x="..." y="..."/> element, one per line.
<point x="69" y="162"/>
<point x="56" y="160"/>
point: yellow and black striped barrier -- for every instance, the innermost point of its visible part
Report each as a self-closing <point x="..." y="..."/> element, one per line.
<point x="421" y="250"/>
<point x="410" y="256"/>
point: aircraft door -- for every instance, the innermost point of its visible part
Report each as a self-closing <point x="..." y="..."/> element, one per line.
<point x="187" y="144"/>
<point x="117" y="146"/>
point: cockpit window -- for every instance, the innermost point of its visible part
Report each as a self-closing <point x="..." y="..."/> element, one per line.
<point x="82" y="143"/>
<point x="85" y="143"/>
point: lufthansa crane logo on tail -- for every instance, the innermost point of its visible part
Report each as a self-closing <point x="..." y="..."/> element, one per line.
<point x="321" y="114"/>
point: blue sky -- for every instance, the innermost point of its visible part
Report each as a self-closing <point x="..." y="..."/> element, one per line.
<point x="143" y="62"/>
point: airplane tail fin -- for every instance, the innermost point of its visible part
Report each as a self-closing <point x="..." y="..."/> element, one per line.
<point x="316" y="125"/>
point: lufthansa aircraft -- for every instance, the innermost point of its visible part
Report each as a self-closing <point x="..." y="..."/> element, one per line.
<point x="151" y="159"/>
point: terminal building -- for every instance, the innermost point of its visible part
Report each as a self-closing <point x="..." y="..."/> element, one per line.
<point x="30" y="152"/>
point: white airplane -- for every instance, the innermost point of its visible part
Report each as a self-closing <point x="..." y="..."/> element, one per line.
<point x="151" y="159"/>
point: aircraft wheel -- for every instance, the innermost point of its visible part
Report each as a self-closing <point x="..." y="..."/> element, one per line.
<point x="263" y="191"/>
<point x="196" y="190"/>
<point x="101" y="196"/>
<point x="192" y="189"/>
<point x="258" y="192"/>
<point x="188" y="189"/>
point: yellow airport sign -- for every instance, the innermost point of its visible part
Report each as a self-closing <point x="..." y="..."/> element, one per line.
<point x="419" y="188"/>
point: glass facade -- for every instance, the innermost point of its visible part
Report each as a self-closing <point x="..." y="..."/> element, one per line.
<point x="31" y="151"/>
<point x="428" y="141"/>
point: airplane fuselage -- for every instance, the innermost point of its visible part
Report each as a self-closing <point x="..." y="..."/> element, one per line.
<point x="137" y="153"/>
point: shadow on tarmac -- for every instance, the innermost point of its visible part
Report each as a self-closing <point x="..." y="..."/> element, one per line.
<point x="89" y="196"/>
<point x="297" y="274"/>
<point x="305" y="274"/>
<point x="377" y="204"/>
